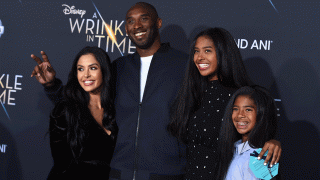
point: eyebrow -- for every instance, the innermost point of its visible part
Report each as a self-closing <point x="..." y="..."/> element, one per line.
<point x="144" y="15"/>
<point x="89" y="64"/>
<point x="243" y="106"/>
<point x="203" y="47"/>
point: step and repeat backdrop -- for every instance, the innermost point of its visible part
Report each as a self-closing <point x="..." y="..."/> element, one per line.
<point x="278" y="39"/>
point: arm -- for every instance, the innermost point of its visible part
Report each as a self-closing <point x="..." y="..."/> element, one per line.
<point x="45" y="75"/>
<point x="274" y="148"/>
<point x="54" y="92"/>
<point x="60" y="149"/>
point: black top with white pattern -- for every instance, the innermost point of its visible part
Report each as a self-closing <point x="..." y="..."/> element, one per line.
<point x="203" y="132"/>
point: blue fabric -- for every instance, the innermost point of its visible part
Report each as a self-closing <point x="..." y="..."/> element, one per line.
<point x="144" y="145"/>
<point x="239" y="166"/>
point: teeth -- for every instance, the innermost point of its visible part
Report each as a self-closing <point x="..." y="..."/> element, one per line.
<point x="140" y="34"/>
<point x="203" y="65"/>
<point x="88" y="82"/>
<point x="242" y="123"/>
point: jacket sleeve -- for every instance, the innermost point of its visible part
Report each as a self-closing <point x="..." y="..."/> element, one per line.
<point x="60" y="149"/>
<point x="54" y="93"/>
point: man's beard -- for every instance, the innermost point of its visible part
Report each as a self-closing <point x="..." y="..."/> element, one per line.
<point x="154" y="32"/>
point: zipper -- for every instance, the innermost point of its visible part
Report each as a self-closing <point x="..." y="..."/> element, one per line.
<point x="135" y="166"/>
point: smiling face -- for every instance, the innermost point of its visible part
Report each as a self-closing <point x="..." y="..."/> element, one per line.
<point x="205" y="57"/>
<point x="89" y="73"/>
<point x="142" y="26"/>
<point x="244" y="115"/>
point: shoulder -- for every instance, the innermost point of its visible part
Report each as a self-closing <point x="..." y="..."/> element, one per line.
<point x="120" y="62"/>
<point x="58" y="110"/>
<point x="174" y="53"/>
<point x="58" y="118"/>
<point x="122" y="59"/>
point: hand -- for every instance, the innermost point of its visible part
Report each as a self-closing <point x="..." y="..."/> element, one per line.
<point x="274" y="148"/>
<point x="43" y="72"/>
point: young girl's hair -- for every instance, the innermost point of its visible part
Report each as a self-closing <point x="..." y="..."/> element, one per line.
<point x="263" y="131"/>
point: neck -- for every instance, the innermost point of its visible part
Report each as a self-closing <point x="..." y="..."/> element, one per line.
<point x="95" y="100"/>
<point x="151" y="50"/>
<point x="244" y="137"/>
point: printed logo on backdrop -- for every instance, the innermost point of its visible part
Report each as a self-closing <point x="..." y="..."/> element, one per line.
<point x="255" y="44"/>
<point x="72" y="10"/>
<point x="9" y="86"/>
<point x="1" y="28"/>
<point x="3" y="148"/>
<point x="109" y="35"/>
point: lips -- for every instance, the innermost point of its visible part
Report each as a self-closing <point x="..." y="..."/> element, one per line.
<point x="88" y="82"/>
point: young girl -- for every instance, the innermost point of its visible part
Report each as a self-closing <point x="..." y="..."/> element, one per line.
<point x="250" y="121"/>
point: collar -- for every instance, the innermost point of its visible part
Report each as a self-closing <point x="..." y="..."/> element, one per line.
<point x="239" y="147"/>
<point x="163" y="48"/>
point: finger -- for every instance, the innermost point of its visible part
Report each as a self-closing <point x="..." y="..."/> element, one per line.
<point x="35" y="71"/>
<point x="38" y="60"/>
<point x="279" y="155"/>
<point x="50" y="68"/>
<point x="44" y="56"/>
<point x="269" y="155"/>
<point x="275" y="155"/>
<point x="264" y="149"/>
<point x="40" y="79"/>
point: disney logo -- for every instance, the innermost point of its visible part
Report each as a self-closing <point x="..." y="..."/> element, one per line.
<point x="71" y="10"/>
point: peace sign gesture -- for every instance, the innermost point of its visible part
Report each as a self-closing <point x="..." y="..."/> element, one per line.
<point x="43" y="72"/>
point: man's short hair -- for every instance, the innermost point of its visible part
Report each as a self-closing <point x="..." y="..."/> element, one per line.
<point x="149" y="7"/>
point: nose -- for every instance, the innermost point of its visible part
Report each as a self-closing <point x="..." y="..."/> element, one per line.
<point x="137" y="24"/>
<point x="199" y="56"/>
<point x="87" y="73"/>
<point x="241" y="114"/>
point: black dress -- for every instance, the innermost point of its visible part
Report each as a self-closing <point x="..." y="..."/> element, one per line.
<point x="95" y="158"/>
<point x="203" y="132"/>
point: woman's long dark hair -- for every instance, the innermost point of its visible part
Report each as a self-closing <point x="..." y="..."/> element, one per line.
<point x="78" y="114"/>
<point x="264" y="130"/>
<point x="231" y="73"/>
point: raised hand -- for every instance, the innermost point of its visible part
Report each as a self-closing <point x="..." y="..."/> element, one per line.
<point x="43" y="72"/>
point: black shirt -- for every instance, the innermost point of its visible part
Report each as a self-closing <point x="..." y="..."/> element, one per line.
<point x="203" y="132"/>
<point x="93" y="162"/>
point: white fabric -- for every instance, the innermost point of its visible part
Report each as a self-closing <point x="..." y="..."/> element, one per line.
<point x="145" y="64"/>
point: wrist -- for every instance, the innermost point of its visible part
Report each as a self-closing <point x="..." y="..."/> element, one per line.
<point x="49" y="84"/>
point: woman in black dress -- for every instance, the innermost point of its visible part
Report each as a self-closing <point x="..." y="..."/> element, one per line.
<point x="214" y="72"/>
<point x="82" y="125"/>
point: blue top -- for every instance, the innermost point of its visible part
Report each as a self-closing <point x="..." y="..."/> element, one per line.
<point x="239" y="167"/>
<point x="144" y="148"/>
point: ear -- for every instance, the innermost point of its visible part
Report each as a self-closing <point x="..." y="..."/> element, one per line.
<point x="159" y="23"/>
<point x="126" y="28"/>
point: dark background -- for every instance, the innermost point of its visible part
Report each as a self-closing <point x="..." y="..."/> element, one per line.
<point x="288" y="67"/>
